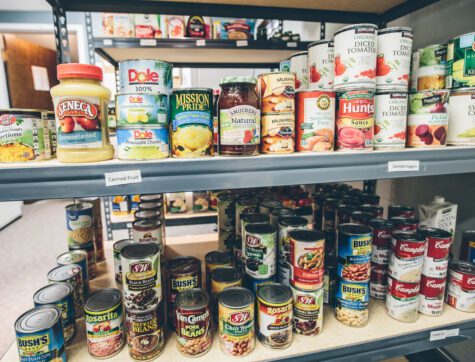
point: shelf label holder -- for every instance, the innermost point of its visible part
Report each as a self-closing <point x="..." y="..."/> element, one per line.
<point x="404" y="166"/>
<point x="123" y="177"/>
<point x="148" y="42"/>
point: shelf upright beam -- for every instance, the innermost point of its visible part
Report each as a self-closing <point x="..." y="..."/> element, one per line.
<point x="91" y="53"/>
<point x="322" y="30"/>
<point x="63" y="53"/>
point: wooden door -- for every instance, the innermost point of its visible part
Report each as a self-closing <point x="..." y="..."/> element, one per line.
<point x="20" y="56"/>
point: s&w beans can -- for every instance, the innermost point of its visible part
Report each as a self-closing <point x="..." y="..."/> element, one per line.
<point x="308" y="311"/>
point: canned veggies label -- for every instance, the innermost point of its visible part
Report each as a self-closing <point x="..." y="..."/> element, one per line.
<point x="138" y="109"/>
<point x="306" y="264"/>
<point x="352" y="301"/>
<point x="275" y="323"/>
<point x="278" y="133"/>
<point x="142" y="143"/>
<point x="390" y="120"/>
<point x="462" y="118"/>
<point x="79" y="225"/>
<point x="308" y="311"/>
<point x="321" y="59"/>
<point x="193" y="331"/>
<point x="239" y="125"/>
<point x="427" y="130"/>
<point x="260" y="250"/>
<point x="145" y="76"/>
<point x="192" y="123"/>
<point x="145" y="335"/>
<point x="277" y="91"/>
<point x="236" y="330"/>
<point x="461" y="61"/>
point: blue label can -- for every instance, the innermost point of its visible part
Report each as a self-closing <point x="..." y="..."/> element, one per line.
<point x="352" y="301"/>
<point x="79" y="222"/>
<point x="78" y="257"/>
<point x="142" y="143"/>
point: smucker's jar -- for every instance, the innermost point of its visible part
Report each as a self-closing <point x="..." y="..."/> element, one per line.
<point x="239" y="117"/>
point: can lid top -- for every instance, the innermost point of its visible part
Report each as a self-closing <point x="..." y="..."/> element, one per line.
<point x="270" y="204"/>
<point x="103" y="299"/>
<point x="146" y="224"/>
<point x="260" y="229"/>
<point x="323" y="41"/>
<point x="293" y="221"/>
<point x="298" y="54"/>
<point x="282" y="211"/>
<point x="183" y="264"/>
<point x="119" y="245"/>
<point x="254" y="218"/>
<point x="353" y="26"/>
<point x="64" y="272"/>
<point x="140" y="250"/>
<point x="52" y="293"/>
<point x="236" y="297"/>
<point x="400" y="220"/>
<point x="150" y="205"/>
<point x="227" y="197"/>
<point x="407" y="235"/>
<point x="218" y="257"/>
<point x="71" y="257"/>
<point x="38" y="319"/>
<point x="147" y="214"/>
<point x="79" y="206"/>
<point x="434" y="232"/>
<point x="226" y="274"/>
<point x="306" y="235"/>
<point x="151" y="197"/>
<point x="274" y="293"/>
<point x="463" y="266"/>
<point x="354" y="229"/>
<point x="381" y="223"/>
<point x="194" y="298"/>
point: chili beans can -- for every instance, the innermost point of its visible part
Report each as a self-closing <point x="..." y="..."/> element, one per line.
<point x="355" y="56"/>
<point x="354" y="252"/>
<point x="402" y="300"/>
<point x="276" y="92"/>
<point x="461" y="286"/>
<point x="148" y="231"/>
<point x="351" y="303"/>
<point x="70" y="274"/>
<point x="260" y="250"/>
<point x="354" y="120"/>
<point x="431" y="299"/>
<point x="221" y="279"/>
<point x="315" y="114"/>
<point x="227" y="211"/>
<point x="307" y="249"/>
<point x="39" y="335"/>
<point x="321" y="66"/>
<point x="405" y="223"/>
<point x="90" y="251"/>
<point x="193" y="330"/>
<point x="78" y="257"/>
<point x="117" y="248"/>
<point x="381" y="246"/>
<point x="436" y="255"/>
<point x="462" y="117"/>
<point x="216" y="259"/>
<point x="401" y="211"/>
<point x="308" y="311"/>
<point x="79" y="222"/>
<point x="236" y="321"/>
<point x="407" y="256"/>
<point x="299" y="66"/>
<point x="390" y="119"/>
<point x="379" y="281"/>
<point x="275" y="315"/>
<point x="141" y="280"/>
<point x="104" y="323"/>
<point x="278" y="132"/>
<point x="251" y="219"/>
<point x="145" y="76"/>
<point x="59" y="295"/>
<point x="244" y="205"/>
<point x="266" y="206"/>
<point x="145" y="333"/>
<point x="181" y="273"/>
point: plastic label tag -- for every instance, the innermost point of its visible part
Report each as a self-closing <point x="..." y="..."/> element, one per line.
<point x="403" y="166"/>
<point x="148" y="42"/>
<point x="437" y="335"/>
<point x="123" y="177"/>
<point x="292" y="44"/>
<point x="452" y="332"/>
<point x="201" y="43"/>
<point x="241" y="43"/>
<point x="107" y="42"/>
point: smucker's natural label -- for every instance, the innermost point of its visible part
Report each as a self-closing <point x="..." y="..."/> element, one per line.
<point x="240" y="125"/>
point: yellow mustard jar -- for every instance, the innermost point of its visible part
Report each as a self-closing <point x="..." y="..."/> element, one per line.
<point x="80" y="105"/>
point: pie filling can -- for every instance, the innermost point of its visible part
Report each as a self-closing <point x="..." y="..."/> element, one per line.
<point x="70" y="274"/>
<point x="321" y="60"/>
<point x="193" y="330"/>
<point x="79" y="222"/>
<point x="436" y="256"/>
<point x="39" y="335"/>
<point x="117" y="247"/>
<point x="236" y="321"/>
<point x="431" y="299"/>
<point x="461" y="286"/>
<point x="78" y="257"/>
<point x="216" y="259"/>
<point x="141" y="281"/>
<point x="59" y="295"/>
<point x="308" y="311"/>
<point x="407" y="256"/>
<point x="221" y="279"/>
<point x="104" y="323"/>
<point x="260" y="250"/>
<point x="402" y="300"/>
<point x="275" y="315"/>
<point x="351" y="303"/>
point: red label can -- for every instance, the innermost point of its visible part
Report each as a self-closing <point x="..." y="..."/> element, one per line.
<point x="405" y="263"/>
<point x="431" y="300"/>
<point x="436" y="257"/>
<point x="402" y="301"/>
<point x="461" y="286"/>
<point x="405" y="223"/>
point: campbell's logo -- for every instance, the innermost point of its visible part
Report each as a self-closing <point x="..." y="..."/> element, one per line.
<point x="305" y="299"/>
<point x="408" y="291"/>
<point x="135" y="99"/>
<point x="356" y="108"/>
<point x="252" y="240"/>
<point x="143" y="134"/>
<point x="434" y="285"/>
<point x="412" y="250"/>
<point x="141" y="266"/>
<point x="442" y="244"/>
<point x="471" y="281"/>
<point x="76" y="107"/>
<point x="148" y="76"/>
<point x="7" y="119"/>
<point x="240" y="317"/>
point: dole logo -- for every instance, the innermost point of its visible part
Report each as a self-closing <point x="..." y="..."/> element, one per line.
<point x="140" y="267"/>
<point x="252" y="240"/>
<point x="7" y="119"/>
<point x="305" y="299"/>
<point x="135" y="99"/>
<point x="240" y="317"/>
<point x="142" y="77"/>
<point x="143" y="134"/>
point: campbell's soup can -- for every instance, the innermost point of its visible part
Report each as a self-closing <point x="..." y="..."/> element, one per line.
<point x="321" y="67"/>
<point x="407" y="257"/>
<point x="315" y="115"/>
<point x="402" y="300"/>
<point x="381" y="240"/>
<point x="431" y="300"/>
<point x="436" y="257"/>
<point x="379" y="281"/>
<point x="299" y="66"/>
<point x="405" y="223"/>
<point x="355" y="120"/>
<point x="355" y="56"/>
<point x="461" y="286"/>
<point x="394" y="58"/>
<point x="401" y="211"/>
<point x="390" y="118"/>
<point x="145" y="76"/>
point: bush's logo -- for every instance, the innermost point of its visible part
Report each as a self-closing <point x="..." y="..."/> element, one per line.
<point x="76" y="107"/>
<point x="240" y="317"/>
<point x="140" y="267"/>
<point x="7" y="119"/>
<point x="30" y="346"/>
<point x="142" y="77"/>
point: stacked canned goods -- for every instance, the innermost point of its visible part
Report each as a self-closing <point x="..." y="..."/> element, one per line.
<point x="226" y="221"/>
<point x="149" y="224"/>
<point x="461" y="286"/>
<point x="381" y="251"/>
<point x="142" y="109"/>
<point x="97" y="224"/>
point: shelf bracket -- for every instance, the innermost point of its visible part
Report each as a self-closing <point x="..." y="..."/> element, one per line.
<point x="90" y="39"/>
<point x="63" y="53"/>
<point x="322" y="30"/>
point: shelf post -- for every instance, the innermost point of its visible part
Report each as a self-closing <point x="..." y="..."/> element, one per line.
<point x="322" y="30"/>
<point x="63" y="53"/>
<point x="90" y="38"/>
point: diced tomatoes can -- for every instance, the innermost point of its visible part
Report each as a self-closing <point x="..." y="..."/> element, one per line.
<point x="299" y="66"/>
<point x="402" y="300"/>
<point x="436" y="256"/>
<point x="390" y="119"/>
<point x="354" y="252"/>
<point x="461" y="286"/>
<point x="431" y="300"/>
<point x="321" y="67"/>
<point x="308" y="311"/>
<point x="407" y="257"/>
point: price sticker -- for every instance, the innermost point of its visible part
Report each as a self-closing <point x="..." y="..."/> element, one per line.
<point x="292" y="44"/>
<point x="241" y="43"/>
<point x="123" y="177"/>
<point x="201" y="43"/>
<point x="148" y="42"/>
<point x="107" y="42"/>
<point x="404" y="166"/>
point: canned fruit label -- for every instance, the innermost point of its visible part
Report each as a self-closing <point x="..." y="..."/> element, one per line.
<point x="78" y="121"/>
<point x="394" y="58"/>
<point x="435" y="101"/>
<point x="260" y="252"/>
<point x="431" y="300"/>
<point x="145" y="334"/>
<point x="352" y="301"/>
<point x="427" y="130"/>
<point x="462" y="118"/>
<point x="277" y="91"/>
<point x="436" y="257"/>
<point x="299" y="66"/>
<point x="145" y="76"/>
<point x="355" y="120"/>
<point x="315" y="121"/>
<point x="461" y="61"/>
<point x="402" y="300"/>
<point x="105" y="331"/>
<point x="355" y="56"/>
<point x="306" y="264"/>
<point x="236" y="330"/>
<point x="275" y="323"/>
<point x="192" y="123"/>
<point x="390" y="120"/>
<point x="278" y="133"/>
<point x="308" y="311"/>
<point x="42" y="346"/>
<point x="138" y="109"/>
<point x="240" y="125"/>
<point x="321" y="60"/>
<point x="193" y="331"/>
<point x="142" y="143"/>
<point x="80" y="226"/>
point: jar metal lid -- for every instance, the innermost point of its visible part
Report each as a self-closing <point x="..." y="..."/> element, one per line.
<point x="237" y="79"/>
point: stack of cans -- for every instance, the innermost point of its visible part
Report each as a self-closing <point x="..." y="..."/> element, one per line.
<point x="149" y="224"/>
<point x="97" y="224"/>
<point x="227" y="221"/>
<point x="381" y="250"/>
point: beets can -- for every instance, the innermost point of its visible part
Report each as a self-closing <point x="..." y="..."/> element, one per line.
<point x="390" y="119"/>
<point x="407" y="257"/>
<point x="461" y="286"/>
<point x="431" y="300"/>
<point x="436" y="257"/>
<point x="402" y="300"/>
<point x="394" y="58"/>
<point x="355" y="56"/>
<point x="299" y="66"/>
<point x="321" y="68"/>
<point x="379" y="281"/>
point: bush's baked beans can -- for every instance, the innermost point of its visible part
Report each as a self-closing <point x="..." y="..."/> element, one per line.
<point x="354" y="120"/>
<point x="436" y="256"/>
<point x="379" y="281"/>
<point x="274" y="315"/>
<point x="193" y="329"/>
<point x="407" y="256"/>
<point x="181" y="273"/>
<point x="299" y="66"/>
<point x="117" y="248"/>
<point x="390" y="119"/>
<point x="244" y="205"/>
<point x="266" y="206"/>
<point x="227" y="211"/>
<point x="355" y="56"/>
<point x="277" y="92"/>
<point x="91" y="257"/>
<point x="260" y="250"/>
<point x="236" y="322"/>
<point x="461" y="286"/>
<point x="141" y="276"/>
<point x="78" y="257"/>
<point x="354" y="252"/>
<point x="70" y="274"/>
<point x="402" y="300"/>
<point x="221" y="279"/>
<point x="104" y="323"/>
<point x="213" y="260"/>
<point x="308" y="311"/>
<point x="248" y="219"/>
<point x="321" y="68"/>
<point x="431" y="299"/>
<point x="381" y="247"/>
<point x="79" y="222"/>
<point x="351" y="303"/>
<point x="315" y="120"/>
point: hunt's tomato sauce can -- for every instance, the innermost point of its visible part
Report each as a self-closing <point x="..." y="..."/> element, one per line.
<point x="354" y="120"/>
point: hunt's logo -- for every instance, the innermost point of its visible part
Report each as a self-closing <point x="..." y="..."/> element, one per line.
<point x="240" y="317"/>
<point x="31" y="345"/>
<point x="356" y="108"/>
<point x="76" y="108"/>
<point x="192" y="102"/>
<point x="148" y="76"/>
<point x="140" y="267"/>
<point x="7" y="119"/>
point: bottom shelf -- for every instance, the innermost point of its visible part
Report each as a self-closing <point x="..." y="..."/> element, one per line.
<point x="382" y="338"/>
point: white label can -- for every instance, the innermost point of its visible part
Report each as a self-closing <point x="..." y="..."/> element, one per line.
<point x="462" y="117"/>
<point x="402" y="300"/>
<point x="299" y="66"/>
<point x="390" y="119"/>
<point x="321" y="68"/>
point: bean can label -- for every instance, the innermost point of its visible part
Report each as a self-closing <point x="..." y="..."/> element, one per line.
<point x="142" y="143"/>
<point x="402" y="300"/>
<point x="390" y="120"/>
<point x="321" y="60"/>
<point x="355" y="120"/>
<point x="137" y="109"/>
<point x="306" y="263"/>
<point x="260" y="252"/>
<point x="352" y="301"/>
<point x="278" y="132"/>
<point x="431" y="300"/>
<point x="308" y="311"/>
<point x="275" y="323"/>
<point x="462" y="118"/>
<point x="145" y="76"/>
<point x="461" y="61"/>
<point x="277" y="91"/>
<point x="193" y="331"/>
<point x="355" y="56"/>
<point x="354" y="254"/>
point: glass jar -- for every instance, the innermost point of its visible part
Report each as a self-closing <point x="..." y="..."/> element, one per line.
<point x="80" y="103"/>
<point x="239" y="117"/>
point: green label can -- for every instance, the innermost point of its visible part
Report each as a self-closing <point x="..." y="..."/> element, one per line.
<point x="260" y="250"/>
<point x="461" y="61"/>
<point x="191" y="122"/>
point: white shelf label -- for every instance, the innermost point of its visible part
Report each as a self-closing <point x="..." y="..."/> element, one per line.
<point x="201" y="43"/>
<point x="443" y="334"/>
<point x="107" y="42"/>
<point x="148" y="42"/>
<point x="123" y="177"/>
<point x="292" y="44"/>
<point x="241" y="43"/>
<point x="403" y="166"/>
<point x="452" y="332"/>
